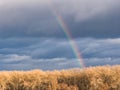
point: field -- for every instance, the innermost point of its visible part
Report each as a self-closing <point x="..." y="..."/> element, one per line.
<point x="92" y="78"/>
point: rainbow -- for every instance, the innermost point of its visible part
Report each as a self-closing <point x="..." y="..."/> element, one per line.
<point x="68" y="34"/>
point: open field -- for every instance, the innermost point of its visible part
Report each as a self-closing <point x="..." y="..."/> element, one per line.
<point x="92" y="78"/>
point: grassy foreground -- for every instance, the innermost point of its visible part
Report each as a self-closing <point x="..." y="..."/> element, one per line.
<point x="93" y="78"/>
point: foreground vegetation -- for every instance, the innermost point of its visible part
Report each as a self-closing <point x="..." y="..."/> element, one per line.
<point x="93" y="78"/>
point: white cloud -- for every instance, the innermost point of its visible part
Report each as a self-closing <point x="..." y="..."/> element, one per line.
<point x="13" y="57"/>
<point x="23" y="2"/>
<point x="102" y="61"/>
<point x="113" y="41"/>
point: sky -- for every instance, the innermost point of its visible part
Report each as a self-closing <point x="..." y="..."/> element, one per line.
<point x="32" y="34"/>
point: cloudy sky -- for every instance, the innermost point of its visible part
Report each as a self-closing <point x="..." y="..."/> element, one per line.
<point x="32" y="38"/>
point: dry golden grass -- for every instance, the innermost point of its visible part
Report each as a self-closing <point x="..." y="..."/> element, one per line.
<point x="92" y="78"/>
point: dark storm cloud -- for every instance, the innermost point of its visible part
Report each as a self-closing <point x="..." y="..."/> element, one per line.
<point x="36" y="18"/>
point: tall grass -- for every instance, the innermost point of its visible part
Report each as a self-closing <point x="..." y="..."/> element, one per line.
<point x="92" y="78"/>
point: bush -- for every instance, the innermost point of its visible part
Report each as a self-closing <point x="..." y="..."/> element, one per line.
<point x="92" y="78"/>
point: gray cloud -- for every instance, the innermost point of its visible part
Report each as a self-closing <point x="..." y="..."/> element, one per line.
<point x="52" y="47"/>
<point x="102" y="48"/>
<point x="31" y="36"/>
<point x="84" y="9"/>
<point x="16" y="62"/>
<point x="42" y="53"/>
<point x="35" y="18"/>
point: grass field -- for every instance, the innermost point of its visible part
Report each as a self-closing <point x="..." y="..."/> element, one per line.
<point x="92" y="78"/>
